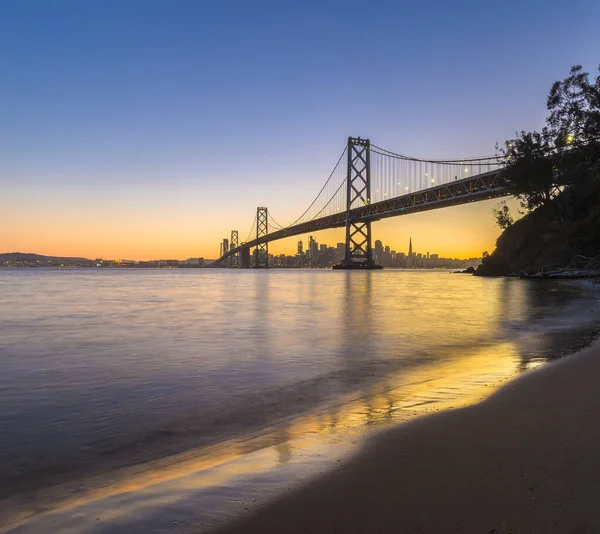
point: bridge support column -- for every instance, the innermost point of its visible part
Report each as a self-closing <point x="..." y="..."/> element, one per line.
<point x="245" y="257"/>
<point x="261" y="260"/>
<point x="358" y="254"/>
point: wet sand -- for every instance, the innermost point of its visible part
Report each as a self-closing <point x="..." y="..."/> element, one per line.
<point x="526" y="460"/>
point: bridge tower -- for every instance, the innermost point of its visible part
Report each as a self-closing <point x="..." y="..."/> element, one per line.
<point x="261" y="260"/>
<point x="234" y="259"/>
<point x="224" y="247"/>
<point x="358" y="253"/>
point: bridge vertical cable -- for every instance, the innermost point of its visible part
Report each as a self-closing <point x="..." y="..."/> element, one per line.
<point x="394" y="175"/>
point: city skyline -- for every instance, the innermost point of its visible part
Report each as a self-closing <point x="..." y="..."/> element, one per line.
<point x="315" y="254"/>
<point x="462" y="239"/>
<point x="131" y="258"/>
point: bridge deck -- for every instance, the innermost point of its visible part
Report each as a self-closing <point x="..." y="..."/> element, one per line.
<point x="474" y="189"/>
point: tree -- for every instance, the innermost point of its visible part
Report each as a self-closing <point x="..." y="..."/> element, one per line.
<point x="530" y="173"/>
<point x="575" y="109"/>
<point x="565" y="154"/>
<point x="501" y="213"/>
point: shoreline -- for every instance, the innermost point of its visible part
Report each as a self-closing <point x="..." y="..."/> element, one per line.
<point x="451" y="383"/>
<point x="310" y="452"/>
<point x="522" y="460"/>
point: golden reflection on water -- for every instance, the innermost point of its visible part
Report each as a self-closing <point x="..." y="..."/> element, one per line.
<point x="405" y="396"/>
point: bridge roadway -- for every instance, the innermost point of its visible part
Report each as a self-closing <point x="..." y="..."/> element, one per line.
<point x="474" y="189"/>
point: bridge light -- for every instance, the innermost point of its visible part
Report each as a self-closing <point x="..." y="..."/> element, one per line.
<point x="466" y="170"/>
<point x="569" y="138"/>
<point x="433" y="181"/>
<point x="406" y="188"/>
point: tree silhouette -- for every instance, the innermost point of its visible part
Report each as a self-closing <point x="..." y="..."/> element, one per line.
<point x="565" y="154"/>
<point x="501" y="213"/>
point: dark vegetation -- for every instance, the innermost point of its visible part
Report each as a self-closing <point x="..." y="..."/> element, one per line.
<point x="555" y="174"/>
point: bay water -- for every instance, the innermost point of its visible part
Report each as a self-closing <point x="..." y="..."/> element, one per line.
<point x="109" y="368"/>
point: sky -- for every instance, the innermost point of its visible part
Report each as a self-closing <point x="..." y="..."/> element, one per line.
<point x="150" y="129"/>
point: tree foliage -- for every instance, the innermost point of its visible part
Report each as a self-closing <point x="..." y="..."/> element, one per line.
<point x="501" y="213"/>
<point x="565" y="154"/>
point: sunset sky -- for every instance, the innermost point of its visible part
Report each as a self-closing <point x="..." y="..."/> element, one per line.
<point x="147" y="129"/>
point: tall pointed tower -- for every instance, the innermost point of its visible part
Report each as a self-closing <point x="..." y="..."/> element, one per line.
<point x="410" y="248"/>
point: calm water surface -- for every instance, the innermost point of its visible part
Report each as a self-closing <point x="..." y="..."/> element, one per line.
<point x="107" y="367"/>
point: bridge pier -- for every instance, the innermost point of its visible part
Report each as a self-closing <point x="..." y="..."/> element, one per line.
<point x="358" y="254"/>
<point x="245" y="257"/>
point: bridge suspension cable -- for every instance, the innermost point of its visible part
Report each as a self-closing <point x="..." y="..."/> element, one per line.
<point x="392" y="174"/>
<point x="389" y="153"/>
<point x="252" y="230"/>
<point x="327" y="195"/>
<point x="272" y="220"/>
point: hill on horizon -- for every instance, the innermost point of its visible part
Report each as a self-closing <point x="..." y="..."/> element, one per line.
<point x="27" y="256"/>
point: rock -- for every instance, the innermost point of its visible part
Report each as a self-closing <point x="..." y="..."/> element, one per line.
<point x="544" y="243"/>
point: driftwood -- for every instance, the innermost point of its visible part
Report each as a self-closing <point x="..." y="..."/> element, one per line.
<point x="579" y="267"/>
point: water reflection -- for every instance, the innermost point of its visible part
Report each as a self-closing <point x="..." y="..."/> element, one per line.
<point x="202" y="476"/>
<point x="232" y="363"/>
<point x="357" y="324"/>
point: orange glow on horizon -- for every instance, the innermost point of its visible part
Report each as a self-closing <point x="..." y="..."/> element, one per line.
<point x="135" y="234"/>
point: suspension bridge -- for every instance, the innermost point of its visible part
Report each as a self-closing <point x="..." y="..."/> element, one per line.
<point x="369" y="183"/>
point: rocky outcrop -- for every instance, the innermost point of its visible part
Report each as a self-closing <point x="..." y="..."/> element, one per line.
<point x="545" y="240"/>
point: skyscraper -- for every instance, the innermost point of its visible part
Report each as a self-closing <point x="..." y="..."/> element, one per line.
<point x="378" y="251"/>
<point x="410" y="247"/>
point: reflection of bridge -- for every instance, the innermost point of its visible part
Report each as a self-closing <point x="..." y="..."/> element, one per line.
<point x="378" y="184"/>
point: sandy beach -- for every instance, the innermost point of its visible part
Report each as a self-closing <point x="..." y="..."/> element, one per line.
<point x="525" y="460"/>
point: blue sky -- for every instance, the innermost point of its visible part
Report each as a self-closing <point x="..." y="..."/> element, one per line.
<point x="183" y="116"/>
